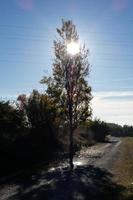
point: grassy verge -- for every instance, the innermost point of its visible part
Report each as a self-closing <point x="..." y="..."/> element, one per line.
<point x="123" y="167"/>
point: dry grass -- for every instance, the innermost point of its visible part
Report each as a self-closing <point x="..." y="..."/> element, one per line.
<point x="123" y="167"/>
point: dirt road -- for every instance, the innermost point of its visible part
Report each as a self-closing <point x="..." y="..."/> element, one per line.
<point x="91" y="179"/>
<point x="101" y="156"/>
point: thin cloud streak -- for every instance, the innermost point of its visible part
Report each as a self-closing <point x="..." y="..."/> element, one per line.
<point x="114" y="80"/>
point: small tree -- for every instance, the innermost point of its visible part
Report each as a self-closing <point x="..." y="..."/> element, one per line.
<point x="40" y="117"/>
<point x="38" y="108"/>
<point x="68" y="86"/>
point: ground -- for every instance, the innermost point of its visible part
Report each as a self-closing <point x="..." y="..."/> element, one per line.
<point x="96" y="176"/>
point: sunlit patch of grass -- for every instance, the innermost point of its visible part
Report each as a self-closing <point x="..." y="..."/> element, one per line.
<point x="123" y="167"/>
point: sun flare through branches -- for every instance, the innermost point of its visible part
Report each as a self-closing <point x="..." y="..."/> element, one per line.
<point x="73" y="48"/>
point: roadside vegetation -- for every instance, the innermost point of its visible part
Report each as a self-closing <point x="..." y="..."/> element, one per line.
<point x="30" y="133"/>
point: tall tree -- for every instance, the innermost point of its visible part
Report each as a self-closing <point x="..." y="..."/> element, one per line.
<point x="68" y="86"/>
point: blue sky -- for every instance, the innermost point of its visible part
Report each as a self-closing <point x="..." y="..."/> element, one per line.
<point x="27" y="31"/>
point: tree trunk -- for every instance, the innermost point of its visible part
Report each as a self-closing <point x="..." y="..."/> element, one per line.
<point x="71" y="136"/>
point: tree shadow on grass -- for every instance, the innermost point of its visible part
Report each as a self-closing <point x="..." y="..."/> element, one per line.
<point x="85" y="183"/>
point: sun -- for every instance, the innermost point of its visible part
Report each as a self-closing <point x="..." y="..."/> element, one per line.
<point x="73" y="48"/>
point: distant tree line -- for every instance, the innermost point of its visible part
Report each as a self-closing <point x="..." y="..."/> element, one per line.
<point x="120" y="131"/>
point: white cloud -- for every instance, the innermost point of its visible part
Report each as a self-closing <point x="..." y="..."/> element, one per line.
<point x="116" y="107"/>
